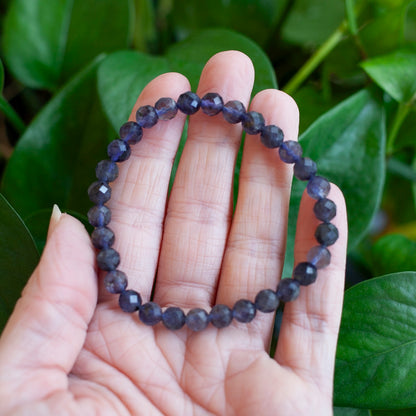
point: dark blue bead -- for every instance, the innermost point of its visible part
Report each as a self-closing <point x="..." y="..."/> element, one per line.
<point x="271" y="136"/>
<point x="173" y="318"/>
<point x="108" y="259"/>
<point x="99" y="192"/>
<point x="319" y="256"/>
<point x="221" y="316"/>
<point x="146" y="116"/>
<point x="197" y="319"/>
<point x="253" y="122"/>
<point x="211" y="103"/>
<point x="325" y="209"/>
<point x="118" y="151"/>
<point x="129" y="301"/>
<point x="290" y="151"/>
<point x="244" y="311"/>
<point x="99" y="216"/>
<point x="131" y="132"/>
<point x="234" y="112"/>
<point x="288" y="290"/>
<point x="102" y="238"/>
<point x="318" y="187"/>
<point x="115" y="281"/>
<point x="326" y="234"/>
<point x="266" y="301"/>
<point x="106" y="171"/>
<point x="166" y="108"/>
<point x="305" y="273"/>
<point x="304" y="168"/>
<point x="150" y="313"/>
<point x="189" y="103"/>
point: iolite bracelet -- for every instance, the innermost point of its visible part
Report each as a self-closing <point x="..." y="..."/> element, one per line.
<point x="243" y="310"/>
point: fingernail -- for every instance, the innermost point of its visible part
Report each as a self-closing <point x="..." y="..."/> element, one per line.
<point x="55" y="217"/>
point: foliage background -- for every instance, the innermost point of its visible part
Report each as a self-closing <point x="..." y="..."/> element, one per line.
<point x="70" y="71"/>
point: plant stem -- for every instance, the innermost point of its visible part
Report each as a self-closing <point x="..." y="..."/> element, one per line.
<point x="11" y="115"/>
<point x="401" y="113"/>
<point x="319" y="55"/>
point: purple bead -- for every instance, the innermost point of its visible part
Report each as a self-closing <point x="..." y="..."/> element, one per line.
<point x="115" y="281"/>
<point x="131" y="132"/>
<point x="188" y="103"/>
<point x="197" y="319"/>
<point x="99" y="192"/>
<point x="106" y="171"/>
<point x="304" y="168"/>
<point x="150" y="313"/>
<point x="325" y="209"/>
<point x="221" y="316"/>
<point x="118" y="151"/>
<point x="244" y="311"/>
<point x="266" y="301"/>
<point x="234" y="112"/>
<point x="211" y="103"/>
<point x="166" y="108"/>
<point x="129" y="301"/>
<point x="326" y="234"/>
<point x="253" y="122"/>
<point x="305" y="273"/>
<point x="173" y="318"/>
<point x="108" y="259"/>
<point x="288" y="290"/>
<point x="146" y="116"/>
<point x="102" y="238"/>
<point x="99" y="216"/>
<point x="319" y="256"/>
<point x="318" y="187"/>
<point x="290" y="151"/>
<point x="271" y="136"/>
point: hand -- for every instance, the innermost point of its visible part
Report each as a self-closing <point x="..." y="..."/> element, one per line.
<point x="69" y="349"/>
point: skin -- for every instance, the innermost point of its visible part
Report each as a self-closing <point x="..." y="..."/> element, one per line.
<point x="69" y="350"/>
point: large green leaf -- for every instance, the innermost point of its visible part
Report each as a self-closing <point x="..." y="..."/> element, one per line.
<point x="18" y="258"/>
<point x="349" y="411"/>
<point x="376" y="356"/>
<point x="46" y="42"/>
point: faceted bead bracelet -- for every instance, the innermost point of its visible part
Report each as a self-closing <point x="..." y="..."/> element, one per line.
<point x="220" y="316"/>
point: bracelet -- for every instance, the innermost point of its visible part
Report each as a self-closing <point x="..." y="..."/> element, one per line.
<point x="271" y="136"/>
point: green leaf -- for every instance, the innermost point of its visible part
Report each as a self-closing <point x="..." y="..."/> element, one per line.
<point x="1" y="77"/>
<point x="349" y="411"/>
<point x="47" y="42"/>
<point x="18" y="258"/>
<point x="395" y="73"/>
<point x="395" y="412"/>
<point x="376" y="356"/>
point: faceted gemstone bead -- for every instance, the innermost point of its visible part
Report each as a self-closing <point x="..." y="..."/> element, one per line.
<point x="221" y="316"/>
<point x="197" y="319"/>
<point x="99" y="216"/>
<point x="146" y="116"/>
<point x="234" y="112"/>
<point x="211" y="103"/>
<point x="118" y="151"/>
<point x="288" y="290"/>
<point x="253" y="122"/>
<point x="325" y="209"/>
<point x="106" y="171"/>
<point x="305" y="273"/>
<point x="131" y="132"/>
<point x="271" y="136"/>
<point x="318" y="187"/>
<point x="115" y="281"/>
<point x="166" y="108"/>
<point x="244" y="311"/>
<point x="290" y="151"/>
<point x="304" y="168"/>
<point x="108" y="259"/>
<point x="266" y="301"/>
<point x="173" y="318"/>
<point x="102" y="238"/>
<point x="326" y="234"/>
<point x="188" y="103"/>
<point x="99" y="192"/>
<point x="319" y="256"/>
<point x="150" y="313"/>
<point x="129" y="301"/>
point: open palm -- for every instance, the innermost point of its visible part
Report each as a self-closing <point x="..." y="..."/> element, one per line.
<point x="62" y="353"/>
